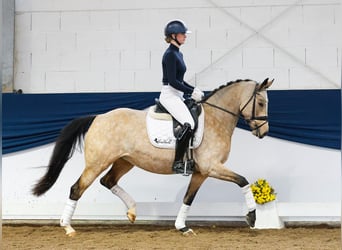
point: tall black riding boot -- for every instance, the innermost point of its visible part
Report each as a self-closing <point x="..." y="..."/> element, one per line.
<point x="182" y="144"/>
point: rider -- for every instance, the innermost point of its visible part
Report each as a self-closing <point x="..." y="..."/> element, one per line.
<point x="174" y="87"/>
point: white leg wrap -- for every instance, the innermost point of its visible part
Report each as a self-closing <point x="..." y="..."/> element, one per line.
<point x="125" y="197"/>
<point x="181" y="217"/>
<point x="247" y="191"/>
<point x="68" y="212"/>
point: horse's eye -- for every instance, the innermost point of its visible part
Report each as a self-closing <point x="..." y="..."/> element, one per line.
<point x="261" y="104"/>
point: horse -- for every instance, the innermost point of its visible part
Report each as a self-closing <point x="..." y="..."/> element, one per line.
<point x="118" y="141"/>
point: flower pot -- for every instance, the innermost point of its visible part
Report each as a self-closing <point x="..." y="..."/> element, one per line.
<point x="267" y="216"/>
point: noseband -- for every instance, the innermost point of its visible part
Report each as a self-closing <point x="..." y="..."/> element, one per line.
<point x="240" y="115"/>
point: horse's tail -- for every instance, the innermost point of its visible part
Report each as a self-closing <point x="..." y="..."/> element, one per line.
<point x="71" y="135"/>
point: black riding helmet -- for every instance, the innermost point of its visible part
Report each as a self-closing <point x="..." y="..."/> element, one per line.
<point x="175" y="27"/>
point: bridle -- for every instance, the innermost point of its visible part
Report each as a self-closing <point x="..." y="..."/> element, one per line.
<point x="240" y="115"/>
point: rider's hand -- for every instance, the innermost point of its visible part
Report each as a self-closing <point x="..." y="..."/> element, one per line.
<point x="197" y="94"/>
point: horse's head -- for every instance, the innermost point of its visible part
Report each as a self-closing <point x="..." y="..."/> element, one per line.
<point x="254" y="111"/>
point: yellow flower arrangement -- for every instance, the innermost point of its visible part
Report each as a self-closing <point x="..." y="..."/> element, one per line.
<point x="262" y="191"/>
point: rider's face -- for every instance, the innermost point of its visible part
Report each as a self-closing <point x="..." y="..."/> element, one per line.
<point x="181" y="38"/>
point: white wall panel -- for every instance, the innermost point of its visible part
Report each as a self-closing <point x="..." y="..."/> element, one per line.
<point x="217" y="76"/>
<point x="319" y="15"/>
<point x="112" y="80"/>
<point x="134" y="20"/>
<point x="197" y="58"/>
<point x="258" y="57"/>
<point x="49" y="21"/>
<point x="156" y="59"/>
<point x="38" y="79"/>
<point x="224" y="18"/>
<point x="125" y="39"/>
<point x="90" y="81"/>
<point x="69" y="34"/>
<point x="303" y="78"/>
<point x="104" y="20"/>
<point x="75" y="61"/>
<point x="91" y="40"/>
<point x="31" y="41"/>
<point x="104" y="60"/>
<point x="127" y="80"/>
<point x="218" y="39"/>
<point x="23" y="22"/>
<point x="149" y="40"/>
<point x="317" y="56"/>
<point x="286" y="56"/>
<point x="35" y="5"/>
<point x="237" y="38"/>
<point x="196" y="18"/>
<point x="147" y="80"/>
<point x="75" y="21"/>
<point x="23" y="61"/>
<point x="286" y="16"/>
<point x="45" y="61"/>
<point x="135" y="60"/>
<point x="61" y="41"/>
<point x="60" y="82"/>
<point x="256" y="17"/>
<point x="279" y="36"/>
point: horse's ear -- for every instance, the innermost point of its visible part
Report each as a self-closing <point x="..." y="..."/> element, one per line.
<point x="266" y="84"/>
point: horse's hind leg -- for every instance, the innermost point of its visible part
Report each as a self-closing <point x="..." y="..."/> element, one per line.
<point x="110" y="181"/>
<point x="86" y="179"/>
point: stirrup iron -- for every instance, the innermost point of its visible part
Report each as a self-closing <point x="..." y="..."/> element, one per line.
<point x="188" y="167"/>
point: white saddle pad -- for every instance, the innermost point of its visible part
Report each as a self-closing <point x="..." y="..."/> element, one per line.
<point x="160" y="129"/>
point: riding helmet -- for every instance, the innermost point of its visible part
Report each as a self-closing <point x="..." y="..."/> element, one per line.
<point x="175" y="27"/>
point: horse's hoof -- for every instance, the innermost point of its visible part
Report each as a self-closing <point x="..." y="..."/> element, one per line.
<point x="250" y="218"/>
<point x="69" y="231"/>
<point x="187" y="231"/>
<point x="131" y="215"/>
<point x="72" y="234"/>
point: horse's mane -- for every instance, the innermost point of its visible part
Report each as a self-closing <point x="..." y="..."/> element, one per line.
<point x="223" y="86"/>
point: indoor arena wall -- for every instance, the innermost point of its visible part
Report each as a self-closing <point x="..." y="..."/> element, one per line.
<point x="116" y="46"/>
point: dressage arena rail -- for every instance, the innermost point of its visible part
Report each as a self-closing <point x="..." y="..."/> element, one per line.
<point x="169" y="223"/>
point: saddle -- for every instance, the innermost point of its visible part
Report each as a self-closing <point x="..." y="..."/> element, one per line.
<point x="194" y="108"/>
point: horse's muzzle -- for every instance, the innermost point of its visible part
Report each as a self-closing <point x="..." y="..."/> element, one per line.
<point x="262" y="135"/>
<point x="260" y="130"/>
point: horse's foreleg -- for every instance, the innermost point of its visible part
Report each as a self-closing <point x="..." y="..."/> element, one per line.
<point x="222" y="173"/>
<point x="110" y="180"/>
<point x="196" y="181"/>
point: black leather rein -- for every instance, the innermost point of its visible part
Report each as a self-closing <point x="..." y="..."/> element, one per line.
<point x="239" y="115"/>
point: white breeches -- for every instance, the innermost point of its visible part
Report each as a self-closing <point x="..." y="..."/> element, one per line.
<point x="172" y="100"/>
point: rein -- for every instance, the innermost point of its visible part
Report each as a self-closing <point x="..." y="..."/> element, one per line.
<point x="239" y="115"/>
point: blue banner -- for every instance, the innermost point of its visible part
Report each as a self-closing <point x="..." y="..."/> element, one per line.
<point x="30" y="120"/>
